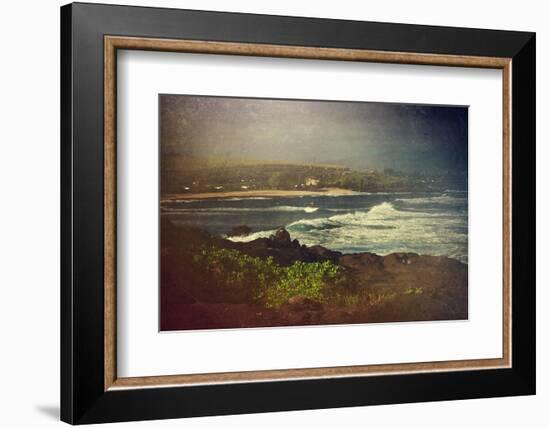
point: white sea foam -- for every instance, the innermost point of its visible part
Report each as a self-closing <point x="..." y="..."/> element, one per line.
<point x="252" y="236"/>
<point x="383" y="229"/>
<point x="443" y="199"/>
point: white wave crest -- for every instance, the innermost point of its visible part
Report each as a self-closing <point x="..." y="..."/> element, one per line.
<point x="252" y="236"/>
<point x="383" y="229"/>
<point x="440" y="200"/>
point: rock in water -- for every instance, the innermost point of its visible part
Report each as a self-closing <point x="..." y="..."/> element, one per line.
<point x="280" y="237"/>
<point x="240" y="231"/>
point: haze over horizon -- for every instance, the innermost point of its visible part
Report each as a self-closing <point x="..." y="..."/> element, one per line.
<point x="357" y="135"/>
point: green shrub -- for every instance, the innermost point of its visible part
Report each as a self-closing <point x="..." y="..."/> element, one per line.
<point x="247" y="277"/>
<point x="311" y="280"/>
<point x="237" y="274"/>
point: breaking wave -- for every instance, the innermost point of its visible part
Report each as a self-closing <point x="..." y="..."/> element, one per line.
<point x="385" y="229"/>
<point x="440" y="200"/>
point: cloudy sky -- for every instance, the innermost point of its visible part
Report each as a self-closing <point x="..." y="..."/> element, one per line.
<point x="357" y="135"/>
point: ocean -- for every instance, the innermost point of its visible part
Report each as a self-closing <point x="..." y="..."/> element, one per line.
<point x="381" y="223"/>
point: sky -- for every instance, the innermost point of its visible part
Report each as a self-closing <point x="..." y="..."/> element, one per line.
<point x="358" y="135"/>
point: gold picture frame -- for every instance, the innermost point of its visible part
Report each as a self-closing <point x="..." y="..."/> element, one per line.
<point x="114" y="43"/>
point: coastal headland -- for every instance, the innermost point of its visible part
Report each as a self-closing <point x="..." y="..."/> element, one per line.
<point x="267" y="193"/>
<point x="212" y="282"/>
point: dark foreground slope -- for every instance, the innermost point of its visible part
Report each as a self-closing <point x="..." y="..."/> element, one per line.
<point x="211" y="282"/>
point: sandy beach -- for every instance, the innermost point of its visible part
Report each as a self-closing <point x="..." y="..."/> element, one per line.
<point x="329" y="191"/>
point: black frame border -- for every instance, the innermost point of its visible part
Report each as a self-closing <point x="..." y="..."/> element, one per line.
<point x="83" y="399"/>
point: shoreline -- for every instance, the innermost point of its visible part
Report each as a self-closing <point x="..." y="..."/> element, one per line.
<point x="330" y="191"/>
<point x="199" y="290"/>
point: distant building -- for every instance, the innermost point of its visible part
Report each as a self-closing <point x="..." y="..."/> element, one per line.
<point x="312" y="181"/>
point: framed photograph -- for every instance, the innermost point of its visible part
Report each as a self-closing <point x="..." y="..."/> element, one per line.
<point x="265" y="213"/>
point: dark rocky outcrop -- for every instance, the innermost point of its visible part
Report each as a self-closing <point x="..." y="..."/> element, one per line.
<point x="282" y="248"/>
<point x="281" y="237"/>
<point x="240" y="231"/>
<point x="396" y="287"/>
<point x="325" y="253"/>
<point x="362" y="261"/>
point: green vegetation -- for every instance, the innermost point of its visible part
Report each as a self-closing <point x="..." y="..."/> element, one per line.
<point x="247" y="278"/>
<point x="195" y="175"/>
<point x="311" y="280"/>
<point x="209" y="282"/>
<point x="413" y="290"/>
<point x="238" y="273"/>
<point x="267" y="282"/>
